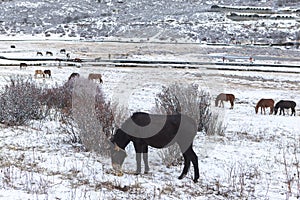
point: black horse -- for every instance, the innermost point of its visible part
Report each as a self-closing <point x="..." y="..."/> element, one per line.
<point x="47" y="72"/>
<point x="74" y="75"/>
<point x="285" y="104"/>
<point x="157" y="131"/>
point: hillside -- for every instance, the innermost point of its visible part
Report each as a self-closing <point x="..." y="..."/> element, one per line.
<point x="166" y="20"/>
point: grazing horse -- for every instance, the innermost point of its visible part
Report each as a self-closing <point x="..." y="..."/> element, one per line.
<point x="62" y="51"/>
<point x="225" y="97"/>
<point x="77" y="60"/>
<point x="49" y="53"/>
<point x="95" y="77"/>
<point x="39" y="53"/>
<point x="39" y="72"/>
<point x="157" y="131"/>
<point x="47" y="72"/>
<point x="285" y="104"/>
<point x="23" y="65"/>
<point x="74" y="75"/>
<point x="263" y="104"/>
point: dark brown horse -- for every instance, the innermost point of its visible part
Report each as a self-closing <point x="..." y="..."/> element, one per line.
<point x="47" y="72"/>
<point x="39" y="53"/>
<point x="74" y="75"/>
<point x="62" y="51"/>
<point x="23" y="65"/>
<point x="285" y="104"/>
<point x="225" y="97"/>
<point x="263" y="104"/>
<point x="157" y="131"/>
<point x="77" y="60"/>
<point x="49" y="53"/>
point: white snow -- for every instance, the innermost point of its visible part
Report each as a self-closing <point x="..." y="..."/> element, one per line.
<point x="255" y="158"/>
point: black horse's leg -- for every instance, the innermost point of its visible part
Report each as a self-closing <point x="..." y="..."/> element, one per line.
<point x="194" y="159"/>
<point x="293" y="112"/>
<point x="138" y="157"/>
<point x="282" y="109"/>
<point x="190" y="155"/>
<point x="186" y="166"/>
<point x="145" y="158"/>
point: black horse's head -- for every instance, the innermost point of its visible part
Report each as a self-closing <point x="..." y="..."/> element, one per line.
<point x="275" y="110"/>
<point x="118" y="142"/>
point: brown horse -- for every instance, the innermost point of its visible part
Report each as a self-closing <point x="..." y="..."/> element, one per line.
<point x="263" y="104"/>
<point x="39" y="72"/>
<point x="225" y="97"/>
<point x="23" y="65"/>
<point x="95" y="77"/>
<point x="77" y="60"/>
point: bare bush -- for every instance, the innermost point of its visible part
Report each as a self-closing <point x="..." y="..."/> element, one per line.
<point x="60" y="97"/>
<point x="215" y="125"/>
<point x="21" y="101"/>
<point x="171" y="156"/>
<point x="104" y="113"/>
<point x="85" y="114"/>
<point x="186" y="99"/>
<point x="189" y="100"/>
<point x="95" y="117"/>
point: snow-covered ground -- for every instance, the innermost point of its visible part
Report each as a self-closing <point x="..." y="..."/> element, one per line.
<point x="257" y="158"/>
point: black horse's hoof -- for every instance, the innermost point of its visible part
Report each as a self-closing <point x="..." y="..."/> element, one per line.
<point x="195" y="180"/>
<point x="137" y="173"/>
<point x="181" y="176"/>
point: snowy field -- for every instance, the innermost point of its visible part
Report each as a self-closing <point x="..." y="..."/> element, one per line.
<point x="257" y="158"/>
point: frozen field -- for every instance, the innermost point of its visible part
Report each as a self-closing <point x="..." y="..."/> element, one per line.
<point x="258" y="158"/>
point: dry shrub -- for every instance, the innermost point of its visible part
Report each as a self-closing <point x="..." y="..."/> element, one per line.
<point x="86" y="115"/>
<point x="188" y="100"/>
<point x="60" y="97"/>
<point x="193" y="102"/>
<point x="171" y="156"/>
<point x="215" y="125"/>
<point x="95" y="117"/>
<point x="21" y="101"/>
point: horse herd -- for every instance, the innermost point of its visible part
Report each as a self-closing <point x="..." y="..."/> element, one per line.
<point x="47" y="73"/>
<point x="91" y="76"/>
<point x="38" y="72"/>
<point x="262" y="104"/>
